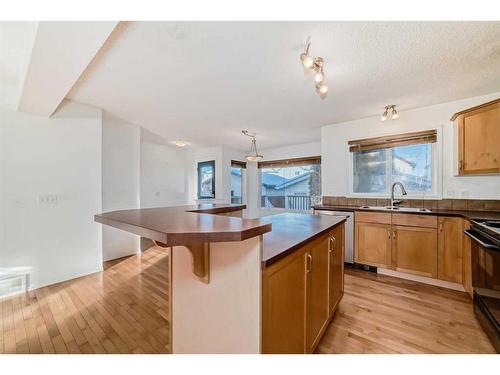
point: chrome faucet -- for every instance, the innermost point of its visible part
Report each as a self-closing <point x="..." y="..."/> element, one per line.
<point x="403" y="190"/>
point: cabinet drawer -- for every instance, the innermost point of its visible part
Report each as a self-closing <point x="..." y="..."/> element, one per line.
<point x="426" y="221"/>
<point x="373" y="217"/>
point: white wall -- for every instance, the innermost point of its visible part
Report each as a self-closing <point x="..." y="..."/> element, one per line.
<point x="335" y="155"/>
<point x="293" y="151"/>
<point x="120" y="182"/>
<point x="56" y="159"/>
<point x="164" y="175"/>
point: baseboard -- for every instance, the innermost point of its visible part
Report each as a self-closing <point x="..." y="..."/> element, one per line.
<point x="421" y="279"/>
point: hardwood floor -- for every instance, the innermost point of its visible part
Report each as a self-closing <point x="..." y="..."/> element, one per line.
<point x="121" y="310"/>
<point x="124" y="309"/>
<point x="383" y="314"/>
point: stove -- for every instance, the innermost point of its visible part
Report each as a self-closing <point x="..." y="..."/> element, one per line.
<point x="485" y="257"/>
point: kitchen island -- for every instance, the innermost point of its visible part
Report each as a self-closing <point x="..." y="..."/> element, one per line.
<point x="244" y="285"/>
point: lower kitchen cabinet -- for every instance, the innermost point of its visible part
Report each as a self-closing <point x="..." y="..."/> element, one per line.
<point x="300" y="294"/>
<point x="466" y="259"/>
<point x="450" y="249"/>
<point x="283" y="305"/>
<point x="373" y="244"/>
<point x="317" y="278"/>
<point x="416" y="250"/>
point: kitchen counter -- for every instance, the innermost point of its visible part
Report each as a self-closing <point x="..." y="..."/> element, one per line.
<point x="471" y="215"/>
<point x="291" y="231"/>
<point x="184" y="225"/>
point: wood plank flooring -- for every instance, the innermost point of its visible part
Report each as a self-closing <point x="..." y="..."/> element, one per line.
<point x="124" y="309"/>
<point x="383" y="314"/>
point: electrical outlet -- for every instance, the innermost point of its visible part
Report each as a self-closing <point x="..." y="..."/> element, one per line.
<point x="464" y="194"/>
<point x="48" y="199"/>
<point x="450" y="193"/>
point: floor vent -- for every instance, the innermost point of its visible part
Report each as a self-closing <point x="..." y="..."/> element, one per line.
<point x="13" y="283"/>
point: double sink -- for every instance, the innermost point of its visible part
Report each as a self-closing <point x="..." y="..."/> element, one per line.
<point x="395" y="208"/>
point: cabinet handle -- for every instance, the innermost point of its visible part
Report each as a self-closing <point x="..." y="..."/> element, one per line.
<point x="309" y="262"/>
<point x="394" y="235"/>
<point x="440" y="227"/>
<point x="461" y="164"/>
<point x="388" y="234"/>
<point x="333" y="243"/>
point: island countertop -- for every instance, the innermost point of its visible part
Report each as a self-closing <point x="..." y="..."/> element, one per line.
<point x="184" y="225"/>
<point x="291" y="231"/>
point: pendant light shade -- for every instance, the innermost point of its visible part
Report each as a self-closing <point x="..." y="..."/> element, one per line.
<point x="253" y="155"/>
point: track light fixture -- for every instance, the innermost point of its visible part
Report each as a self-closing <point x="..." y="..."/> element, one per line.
<point x="392" y="109"/>
<point x="253" y="154"/>
<point x="316" y="64"/>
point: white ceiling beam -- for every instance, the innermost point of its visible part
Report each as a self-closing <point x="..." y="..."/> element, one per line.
<point x="61" y="52"/>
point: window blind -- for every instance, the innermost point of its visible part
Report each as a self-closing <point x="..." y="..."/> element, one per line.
<point x="388" y="141"/>
<point x="238" y="164"/>
<point x="290" y="162"/>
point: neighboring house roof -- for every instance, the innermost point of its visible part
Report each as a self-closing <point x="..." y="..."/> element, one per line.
<point x="276" y="182"/>
<point x="410" y="163"/>
<point x="271" y="180"/>
<point x="293" y="181"/>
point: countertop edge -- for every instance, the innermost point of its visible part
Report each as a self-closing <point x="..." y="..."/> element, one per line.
<point x="467" y="214"/>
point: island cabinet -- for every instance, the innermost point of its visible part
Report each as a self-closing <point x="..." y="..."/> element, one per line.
<point x="300" y="294"/>
<point x="479" y="139"/>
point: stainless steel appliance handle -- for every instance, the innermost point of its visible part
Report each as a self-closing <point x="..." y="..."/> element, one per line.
<point x="473" y="234"/>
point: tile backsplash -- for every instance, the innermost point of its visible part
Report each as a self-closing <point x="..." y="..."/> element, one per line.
<point x="443" y="204"/>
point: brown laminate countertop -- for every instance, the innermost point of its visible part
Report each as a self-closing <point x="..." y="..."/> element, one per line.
<point x="471" y="215"/>
<point x="291" y="231"/>
<point x="184" y="225"/>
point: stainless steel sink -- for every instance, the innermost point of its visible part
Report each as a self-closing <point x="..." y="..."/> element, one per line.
<point x="395" y="208"/>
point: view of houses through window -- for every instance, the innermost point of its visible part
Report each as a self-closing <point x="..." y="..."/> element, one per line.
<point x="296" y="187"/>
<point x="374" y="171"/>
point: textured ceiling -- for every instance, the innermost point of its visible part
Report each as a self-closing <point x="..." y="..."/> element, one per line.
<point x="205" y="81"/>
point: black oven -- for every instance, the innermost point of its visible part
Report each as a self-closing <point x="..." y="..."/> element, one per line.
<point x="485" y="253"/>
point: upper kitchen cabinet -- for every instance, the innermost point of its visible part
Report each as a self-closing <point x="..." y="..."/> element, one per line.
<point x="479" y="139"/>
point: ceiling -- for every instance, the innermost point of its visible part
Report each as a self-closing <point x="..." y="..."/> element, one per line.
<point x="204" y="82"/>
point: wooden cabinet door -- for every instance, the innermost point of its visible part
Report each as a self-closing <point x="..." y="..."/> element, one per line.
<point x="416" y="250"/>
<point x="317" y="312"/>
<point x="336" y="255"/>
<point x="373" y="244"/>
<point x="450" y="239"/>
<point x="284" y="305"/>
<point x="479" y="140"/>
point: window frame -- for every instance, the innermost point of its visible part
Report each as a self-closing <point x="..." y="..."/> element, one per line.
<point x="435" y="193"/>
<point x="202" y="164"/>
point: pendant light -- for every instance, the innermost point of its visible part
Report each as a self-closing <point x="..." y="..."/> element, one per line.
<point x="254" y="154"/>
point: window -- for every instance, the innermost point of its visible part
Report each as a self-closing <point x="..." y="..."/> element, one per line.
<point x="237" y="170"/>
<point x="293" y="184"/>
<point x="206" y="179"/>
<point x="407" y="158"/>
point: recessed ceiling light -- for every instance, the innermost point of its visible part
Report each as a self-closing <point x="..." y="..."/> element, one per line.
<point x="180" y="143"/>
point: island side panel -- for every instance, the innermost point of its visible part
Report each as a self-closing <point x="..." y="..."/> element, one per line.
<point x="223" y="316"/>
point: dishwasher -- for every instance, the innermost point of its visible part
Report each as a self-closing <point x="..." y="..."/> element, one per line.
<point x="349" y="232"/>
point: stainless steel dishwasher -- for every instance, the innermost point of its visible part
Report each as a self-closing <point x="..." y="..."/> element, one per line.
<point x="349" y="232"/>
